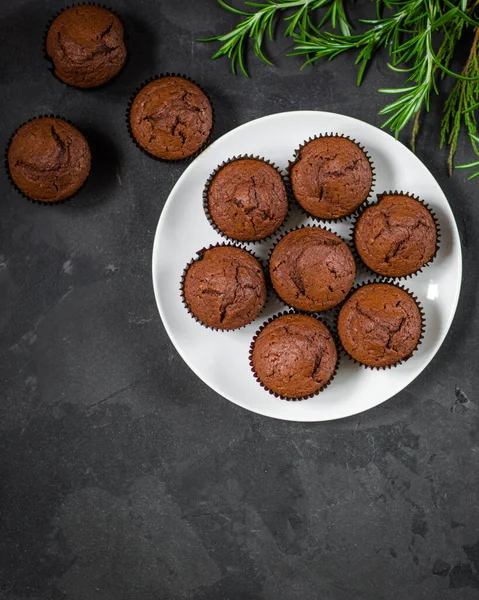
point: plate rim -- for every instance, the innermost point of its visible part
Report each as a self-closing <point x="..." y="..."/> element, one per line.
<point x="155" y="253"/>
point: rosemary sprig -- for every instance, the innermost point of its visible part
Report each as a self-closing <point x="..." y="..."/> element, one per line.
<point x="429" y="20"/>
<point x="420" y="36"/>
<point x="383" y="32"/>
<point x="408" y="37"/>
<point x="475" y="164"/>
<point x="460" y="105"/>
<point x="260" y="24"/>
<point x="418" y="50"/>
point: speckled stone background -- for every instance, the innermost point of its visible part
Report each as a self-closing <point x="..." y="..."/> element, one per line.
<point x="122" y="476"/>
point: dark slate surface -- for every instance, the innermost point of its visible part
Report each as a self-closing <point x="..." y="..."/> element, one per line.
<point x="122" y="476"/>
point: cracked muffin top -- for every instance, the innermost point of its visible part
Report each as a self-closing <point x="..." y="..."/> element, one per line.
<point x="48" y="159"/>
<point x="85" y="44"/>
<point x="294" y="356"/>
<point x="331" y="177"/>
<point x="171" y="118"/>
<point x="312" y="269"/>
<point x="380" y="325"/>
<point x="225" y="288"/>
<point x="397" y="236"/>
<point x="247" y="199"/>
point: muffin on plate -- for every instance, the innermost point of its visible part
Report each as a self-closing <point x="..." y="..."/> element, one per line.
<point x="397" y="236"/>
<point x="85" y="44"/>
<point x="312" y="269"/>
<point x="171" y="118"/>
<point x="246" y="199"/>
<point x="380" y="325"/>
<point x="224" y="288"/>
<point x="48" y="159"/>
<point x="294" y="356"/>
<point x="331" y="177"/>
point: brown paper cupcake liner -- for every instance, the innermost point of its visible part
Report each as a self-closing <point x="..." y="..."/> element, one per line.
<point x="394" y="283"/>
<point x="291" y="164"/>
<point x="213" y="175"/>
<point x="14" y="185"/>
<point x="270" y="320"/>
<point x="51" y="67"/>
<point x="354" y="223"/>
<point x="199" y="256"/>
<point x="283" y="235"/>
<point x="177" y="160"/>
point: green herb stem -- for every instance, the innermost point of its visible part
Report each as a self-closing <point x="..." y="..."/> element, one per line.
<point x="409" y="31"/>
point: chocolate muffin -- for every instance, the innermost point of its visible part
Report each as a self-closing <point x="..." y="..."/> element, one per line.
<point x="171" y="118"/>
<point x="246" y="199"/>
<point x="397" y="236"/>
<point x="85" y="44"/>
<point x="225" y="288"/>
<point x="294" y="356"/>
<point x="380" y="325"/>
<point x="312" y="269"/>
<point x="331" y="177"/>
<point x="48" y="159"/>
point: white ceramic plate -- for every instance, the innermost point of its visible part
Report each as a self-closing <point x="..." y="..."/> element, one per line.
<point x="220" y="359"/>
